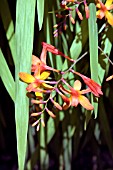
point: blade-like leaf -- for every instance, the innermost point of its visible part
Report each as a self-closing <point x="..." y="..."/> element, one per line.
<point x="25" y="14"/>
<point x="107" y="44"/>
<point x="40" y="11"/>
<point x="6" y="76"/>
<point x="80" y="39"/>
<point x="93" y="45"/>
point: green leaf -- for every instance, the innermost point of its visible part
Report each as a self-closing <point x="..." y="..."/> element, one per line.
<point x="106" y="45"/>
<point x="40" y="11"/>
<point x="79" y="40"/>
<point x="25" y="14"/>
<point x="6" y="76"/>
<point x="93" y="45"/>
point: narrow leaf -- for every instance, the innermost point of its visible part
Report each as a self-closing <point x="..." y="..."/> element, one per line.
<point x="93" y="45"/>
<point x="6" y="76"/>
<point x="107" y="44"/>
<point x="25" y="11"/>
<point x="40" y="11"/>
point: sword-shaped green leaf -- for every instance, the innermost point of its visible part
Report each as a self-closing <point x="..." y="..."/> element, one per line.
<point x="25" y="14"/>
<point x="93" y="46"/>
<point x="40" y="11"/>
<point x="6" y="76"/>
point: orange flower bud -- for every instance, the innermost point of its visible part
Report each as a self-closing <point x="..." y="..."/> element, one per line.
<point x="50" y="113"/>
<point x="109" y="78"/>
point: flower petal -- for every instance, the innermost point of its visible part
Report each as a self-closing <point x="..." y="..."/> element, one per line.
<point x="39" y="95"/>
<point x="74" y="100"/>
<point x="46" y="86"/>
<point x="35" y="60"/>
<point x="85" y="91"/>
<point x="85" y="103"/>
<point x="109" y="17"/>
<point x="77" y="85"/>
<point x="95" y="87"/>
<point x="54" y="50"/>
<point x="100" y="14"/>
<point x="27" y="78"/>
<point x="102" y="6"/>
<point x="43" y="55"/>
<point x="50" y="68"/>
<point x="44" y="75"/>
<point x="37" y="71"/>
<point x="64" y="90"/>
<point x="108" y="3"/>
<point x="31" y="87"/>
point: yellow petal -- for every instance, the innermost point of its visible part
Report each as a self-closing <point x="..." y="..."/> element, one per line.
<point x="85" y="103"/>
<point x="38" y="95"/>
<point x="108" y="3"/>
<point x="46" y="86"/>
<point x="109" y="17"/>
<point x="27" y="78"/>
<point x="98" y="5"/>
<point x="77" y="85"/>
<point x="44" y="75"/>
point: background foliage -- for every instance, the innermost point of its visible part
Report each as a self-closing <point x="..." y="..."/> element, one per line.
<point x="75" y="139"/>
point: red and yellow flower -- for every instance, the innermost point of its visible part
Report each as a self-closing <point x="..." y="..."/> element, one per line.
<point x="94" y="87"/>
<point x="76" y="96"/>
<point x="36" y="82"/>
<point x="42" y="61"/>
<point x="104" y="10"/>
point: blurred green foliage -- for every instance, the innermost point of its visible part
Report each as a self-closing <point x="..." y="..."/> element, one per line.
<point x="61" y="142"/>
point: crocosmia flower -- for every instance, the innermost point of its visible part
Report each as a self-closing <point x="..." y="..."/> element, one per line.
<point x="104" y="10"/>
<point x="54" y="50"/>
<point x="42" y="61"/>
<point x="94" y="87"/>
<point x="36" y="81"/>
<point x="76" y="96"/>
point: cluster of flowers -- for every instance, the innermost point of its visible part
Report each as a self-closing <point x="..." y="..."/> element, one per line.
<point x="73" y="5"/>
<point x="41" y="86"/>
